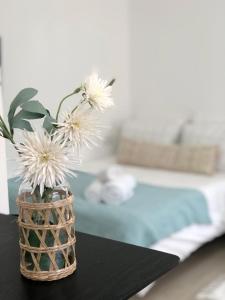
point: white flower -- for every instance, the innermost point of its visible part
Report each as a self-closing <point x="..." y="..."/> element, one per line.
<point x="45" y="161"/>
<point x="98" y="93"/>
<point x="79" y="128"/>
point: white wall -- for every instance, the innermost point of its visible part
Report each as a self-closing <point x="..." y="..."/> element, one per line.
<point x="166" y="55"/>
<point x="4" y="205"/>
<point x="54" y="44"/>
<point x="178" y="56"/>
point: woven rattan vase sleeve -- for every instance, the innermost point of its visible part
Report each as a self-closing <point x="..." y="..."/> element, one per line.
<point x="47" y="238"/>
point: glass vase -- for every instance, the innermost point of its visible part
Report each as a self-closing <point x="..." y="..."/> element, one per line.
<point x="47" y="235"/>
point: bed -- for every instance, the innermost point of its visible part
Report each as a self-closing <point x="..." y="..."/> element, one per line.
<point x="213" y="187"/>
<point x="185" y="241"/>
<point x="161" y="144"/>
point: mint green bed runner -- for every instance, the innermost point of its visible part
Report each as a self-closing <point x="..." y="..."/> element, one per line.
<point x="153" y="213"/>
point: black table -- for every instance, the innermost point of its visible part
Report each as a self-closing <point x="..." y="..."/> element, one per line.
<point x="107" y="270"/>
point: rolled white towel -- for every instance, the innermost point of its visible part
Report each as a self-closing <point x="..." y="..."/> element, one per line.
<point x="110" y="173"/>
<point x="93" y="191"/>
<point x="118" y="190"/>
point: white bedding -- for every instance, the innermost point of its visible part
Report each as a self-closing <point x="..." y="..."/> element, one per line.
<point x="186" y="241"/>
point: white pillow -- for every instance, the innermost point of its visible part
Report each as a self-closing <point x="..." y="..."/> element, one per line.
<point x="165" y="131"/>
<point x="206" y="133"/>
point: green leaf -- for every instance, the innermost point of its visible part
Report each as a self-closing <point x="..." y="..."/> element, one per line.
<point x="22" y="124"/>
<point x="3" y="132"/>
<point x="34" y="106"/>
<point x="47" y="124"/>
<point x="24" y="115"/>
<point x="22" y="97"/>
<point x="27" y="115"/>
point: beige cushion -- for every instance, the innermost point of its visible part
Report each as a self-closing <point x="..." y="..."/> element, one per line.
<point x="196" y="159"/>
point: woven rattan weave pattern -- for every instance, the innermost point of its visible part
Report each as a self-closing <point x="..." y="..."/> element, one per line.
<point x="47" y="246"/>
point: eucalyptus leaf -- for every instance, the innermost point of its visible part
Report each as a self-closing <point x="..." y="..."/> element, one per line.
<point x="22" y="97"/>
<point x="22" y="116"/>
<point x="22" y="124"/>
<point x="34" y="106"/>
<point x="27" y="115"/>
<point x="47" y="124"/>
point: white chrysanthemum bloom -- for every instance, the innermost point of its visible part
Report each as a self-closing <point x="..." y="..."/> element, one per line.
<point x="45" y="161"/>
<point x="98" y="92"/>
<point x="79" y="128"/>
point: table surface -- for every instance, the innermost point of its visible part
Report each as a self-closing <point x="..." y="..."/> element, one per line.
<point x="107" y="270"/>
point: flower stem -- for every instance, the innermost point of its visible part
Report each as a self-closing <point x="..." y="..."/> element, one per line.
<point x="47" y="195"/>
<point x="67" y="96"/>
<point x="81" y="102"/>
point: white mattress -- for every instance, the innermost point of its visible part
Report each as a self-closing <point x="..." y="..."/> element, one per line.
<point x="186" y="241"/>
<point x="213" y="187"/>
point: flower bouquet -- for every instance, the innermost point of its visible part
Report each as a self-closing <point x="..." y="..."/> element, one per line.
<point x="47" y="156"/>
